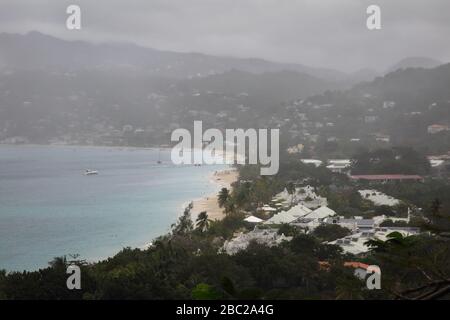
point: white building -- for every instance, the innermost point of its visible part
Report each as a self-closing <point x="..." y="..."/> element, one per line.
<point x="321" y="213"/>
<point x="268" y="237"/>
<point x="253" y="219"/>
<point x="315" y="162"/>
<point x="355" y="243"/>
<point x="289" y="216"/>
<point x="339" y="166"/>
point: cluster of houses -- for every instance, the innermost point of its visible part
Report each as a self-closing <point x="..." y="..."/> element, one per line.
<point x="356" y="242"/>
<point x="440" y="165"/>
<point x="306" y="210"/>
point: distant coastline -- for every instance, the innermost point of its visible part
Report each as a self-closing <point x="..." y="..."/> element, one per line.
<point x="165" y="147"/>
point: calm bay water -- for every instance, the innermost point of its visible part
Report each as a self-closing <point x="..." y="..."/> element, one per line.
<point x="48" y="208"/>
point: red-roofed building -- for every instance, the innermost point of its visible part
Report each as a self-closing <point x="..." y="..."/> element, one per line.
<point x="359" y="267"/>
<point x="356" y="265"/>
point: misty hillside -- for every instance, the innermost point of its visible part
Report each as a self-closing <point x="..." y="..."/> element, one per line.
<point x="415" y="62"/>
<point x="396" y="109"/>
<point x="274" y="87"/>
<point x="56" y="91"/>
<point x="71" y="91"/>
<point x="36" y="50"/>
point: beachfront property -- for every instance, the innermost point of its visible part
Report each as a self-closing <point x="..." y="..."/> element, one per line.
<point x="306" y="219"/>
<point x="290" y="215"/>
<point x="313" y="219"/>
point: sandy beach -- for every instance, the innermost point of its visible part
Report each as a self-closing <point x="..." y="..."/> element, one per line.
<point x="209" y="203"/>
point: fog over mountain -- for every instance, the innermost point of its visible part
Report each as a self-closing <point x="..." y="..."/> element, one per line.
<point x="57" y="89"/>
<point x="37" y="50"/>
<point x="415" y="62"/>
<point x="325" y="33"/>
<point x="54" y="90"/>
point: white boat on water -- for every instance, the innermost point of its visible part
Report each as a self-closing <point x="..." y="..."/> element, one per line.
<point x="90" y="172"/>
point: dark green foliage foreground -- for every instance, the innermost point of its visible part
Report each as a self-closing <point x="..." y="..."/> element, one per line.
<point x="188" y="263"/>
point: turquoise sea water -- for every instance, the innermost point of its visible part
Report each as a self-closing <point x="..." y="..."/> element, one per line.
<point x="48" y="208"/>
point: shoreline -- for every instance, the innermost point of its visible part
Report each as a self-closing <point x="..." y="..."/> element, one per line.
<point x="219" y="178"/>
<point x="222" y="179"/>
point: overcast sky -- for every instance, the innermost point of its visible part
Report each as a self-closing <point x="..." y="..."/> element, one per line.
<point x="327" y="33"/>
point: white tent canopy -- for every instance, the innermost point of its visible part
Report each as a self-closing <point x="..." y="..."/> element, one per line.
<point x="253" y="219"/>
<point x="321" y="213"/>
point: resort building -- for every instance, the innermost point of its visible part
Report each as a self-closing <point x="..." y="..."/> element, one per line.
<point x="268" y="237"/>
<point x="289" y="216"/>
<point x="321" y="213"/>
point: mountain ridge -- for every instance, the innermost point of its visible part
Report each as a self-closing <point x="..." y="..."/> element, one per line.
<point x="26" y="50"/>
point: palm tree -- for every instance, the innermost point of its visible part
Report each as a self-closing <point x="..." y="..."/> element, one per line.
<point x="291" y="190"/>
<point x="184" y="223"/>
<point x="202" y="221"/>
<point x="223" y="197"/>
<point x="394" y="239"/>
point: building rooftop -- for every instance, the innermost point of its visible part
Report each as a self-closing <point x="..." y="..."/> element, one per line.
<point x="386" y="177"/>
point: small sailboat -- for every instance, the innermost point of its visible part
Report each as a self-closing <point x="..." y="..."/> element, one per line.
<point x="90" y="172"/>
<point x="159" y="156"/>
